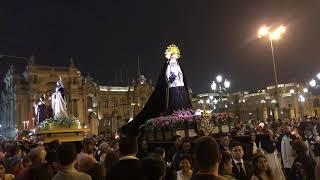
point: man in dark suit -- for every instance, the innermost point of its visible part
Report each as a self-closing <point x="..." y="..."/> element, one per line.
<point x="129" y="166"/>
<point x="224" y="142"/>
<point x="241" y="169"/>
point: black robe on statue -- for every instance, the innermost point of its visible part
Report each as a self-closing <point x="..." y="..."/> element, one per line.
<point x="163" y="101"/>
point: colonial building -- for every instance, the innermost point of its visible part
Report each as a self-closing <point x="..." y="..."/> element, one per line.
<point x="119" y="104"/>
<point x="293" y="101"/>
<point x="96" y="106"/>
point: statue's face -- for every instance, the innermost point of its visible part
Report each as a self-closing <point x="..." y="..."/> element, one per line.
<point x="173" y="60"/>
<point x="173" y="57"/>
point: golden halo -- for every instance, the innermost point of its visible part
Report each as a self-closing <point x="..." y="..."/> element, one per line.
<point x="172" y="50"/>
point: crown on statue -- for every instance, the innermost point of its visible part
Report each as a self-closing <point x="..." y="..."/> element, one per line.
<point x="172" y="50"/>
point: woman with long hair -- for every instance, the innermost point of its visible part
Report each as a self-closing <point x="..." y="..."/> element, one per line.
<point x="261" y="169"/>
<point x="225" y="166"/>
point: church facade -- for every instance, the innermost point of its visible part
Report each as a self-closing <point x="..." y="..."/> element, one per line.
<point x="100" y="108"/>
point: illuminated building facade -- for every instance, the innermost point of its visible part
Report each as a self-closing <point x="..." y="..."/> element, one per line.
<point x="295" y="100"/>
<point x="100" y="108"/>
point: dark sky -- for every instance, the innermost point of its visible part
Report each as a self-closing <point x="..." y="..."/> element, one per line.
<point x="215" y="36"/>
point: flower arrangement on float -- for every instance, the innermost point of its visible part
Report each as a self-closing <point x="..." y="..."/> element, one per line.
<point x="165" y="127"/>
<point x="175" y="120"/>
<point x="221" y="118"/>
<point x="217" y="122"/>
<point x="60" y="123"/>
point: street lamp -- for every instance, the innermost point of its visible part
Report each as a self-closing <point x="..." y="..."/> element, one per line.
<point x="313" y="83"/>
<point x="273" y="36"/>
<point x="220" y="85"/>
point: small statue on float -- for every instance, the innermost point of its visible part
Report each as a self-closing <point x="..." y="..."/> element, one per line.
<point x="41" y="111"/>
<point x="59" y="105"/>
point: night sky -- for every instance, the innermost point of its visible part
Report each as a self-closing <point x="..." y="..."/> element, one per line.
<point x="105" y="38"/>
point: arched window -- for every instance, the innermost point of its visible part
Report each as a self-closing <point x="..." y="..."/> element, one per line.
<point x="89" y="102"/>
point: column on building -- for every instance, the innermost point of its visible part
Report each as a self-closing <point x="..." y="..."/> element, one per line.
<point x="94" y="126"/>
<point x="275" y="113"/>
<point x="18" y="115"/>
<point x="14" y="115"/>
<point x="7" y="116"/>
<point x="24" y="113"/>
<point x="74" y="109"/>
<point x="12" y="123"/>
<point x="265" y="113"/>
<point x="114" y="125"/>
<point x="291" y="111"/>
<point x="80" y="111"/>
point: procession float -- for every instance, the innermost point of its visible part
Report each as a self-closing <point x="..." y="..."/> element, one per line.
<point x="168" y="112"/>
<point x="60" y="125"/>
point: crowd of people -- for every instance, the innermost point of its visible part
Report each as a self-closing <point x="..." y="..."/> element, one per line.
<point x="270" y="151"/>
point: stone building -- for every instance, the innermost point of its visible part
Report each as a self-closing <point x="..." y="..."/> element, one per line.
<point x="103" y="108"/>
<point x="119" y="104"/>
<point x="295" y="101"/>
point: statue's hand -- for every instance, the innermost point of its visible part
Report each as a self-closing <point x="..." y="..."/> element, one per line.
<point x="172" y="78"/>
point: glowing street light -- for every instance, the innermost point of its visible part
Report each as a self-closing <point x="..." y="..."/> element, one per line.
<point x="227" y="84"/>
<point x="219" y="79"/>
<point x="318" y="76"/>
<point x="274" y="35"/>
<point x="312" y="83"/>
<point x="214" y="86"/>
<point x="301" y="98"/>
<point x="263" y="31"/>
<point x="220" y="85"/>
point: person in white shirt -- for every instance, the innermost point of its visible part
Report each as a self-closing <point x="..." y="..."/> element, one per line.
<point x="286" y="150"/>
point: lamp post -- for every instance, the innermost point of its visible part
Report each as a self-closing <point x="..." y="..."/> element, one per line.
<point x="220" y="85"/>
<point x="274" y="35"/>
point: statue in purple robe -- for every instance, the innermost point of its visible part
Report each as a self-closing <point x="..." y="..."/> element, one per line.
<point x="41" y="111"/>
<point x="171" y="94"/>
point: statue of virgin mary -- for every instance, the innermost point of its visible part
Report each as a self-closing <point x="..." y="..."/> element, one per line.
<point x="171" y="93"/>
<point x="58" y="101"/>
